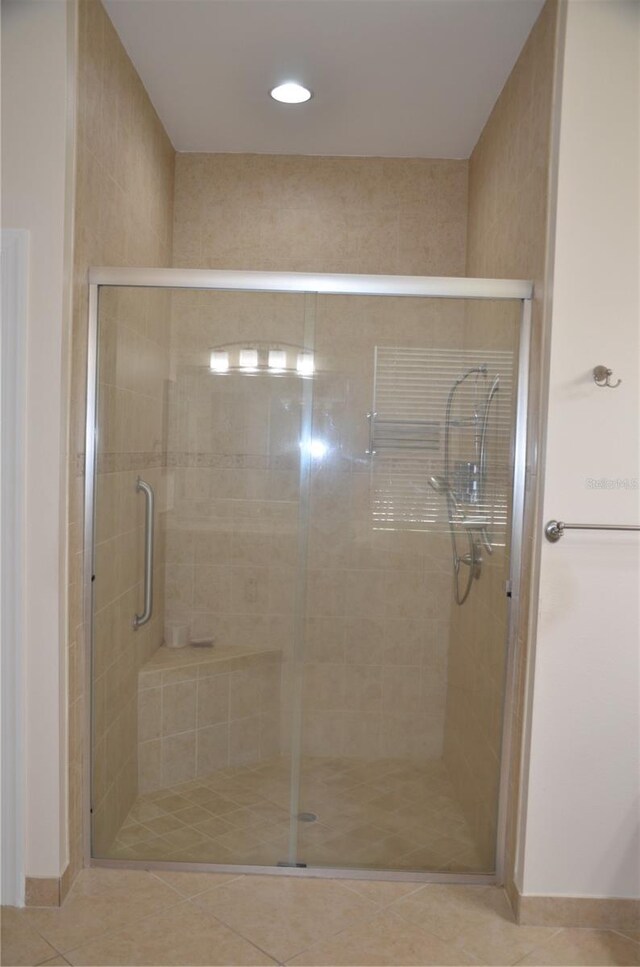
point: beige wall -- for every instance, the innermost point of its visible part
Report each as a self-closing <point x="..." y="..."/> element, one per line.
<point x="376" y="667"/>
<point x="507" y="232"/>
<point x="405" y="216"/>
<point x="582" y="833"/>
<point x="375" y="659"/>
<point x="36" y="172"/>
<point x="124" y="192"/>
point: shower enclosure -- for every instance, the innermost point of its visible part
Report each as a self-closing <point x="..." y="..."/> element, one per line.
<point x="304" y="500"/>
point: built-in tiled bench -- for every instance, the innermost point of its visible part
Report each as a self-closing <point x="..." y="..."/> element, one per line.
<point x="203" y="709"/>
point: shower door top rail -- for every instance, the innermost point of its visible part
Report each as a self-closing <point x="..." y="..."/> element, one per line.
<point x="453" y="287"/>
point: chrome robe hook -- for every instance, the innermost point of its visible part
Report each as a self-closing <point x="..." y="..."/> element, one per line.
<point x="602" y="376"/>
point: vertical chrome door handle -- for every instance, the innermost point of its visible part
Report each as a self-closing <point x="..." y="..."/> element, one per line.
<point x="143" y="487"/>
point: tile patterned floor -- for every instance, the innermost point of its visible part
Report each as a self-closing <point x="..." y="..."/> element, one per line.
<point x="391" y="814"/>
<point x="132" y="917"/>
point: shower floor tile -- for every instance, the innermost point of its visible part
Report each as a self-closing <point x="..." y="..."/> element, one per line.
<point x="391" y="814"/>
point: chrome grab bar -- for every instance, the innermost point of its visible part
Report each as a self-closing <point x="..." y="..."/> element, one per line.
<point x="554" y="529"/>
<point x="141" y="619"/>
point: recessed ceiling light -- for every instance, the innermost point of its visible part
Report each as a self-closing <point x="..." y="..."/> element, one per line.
<point x="290" y="93"/>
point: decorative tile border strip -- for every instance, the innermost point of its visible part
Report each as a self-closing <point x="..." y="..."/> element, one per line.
<point x="186" y="460"/>
<point x="201" y="460"/>
<point x="117" y="462"/>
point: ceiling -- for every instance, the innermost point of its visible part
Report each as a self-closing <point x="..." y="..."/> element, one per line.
<point x="395" y="78"/>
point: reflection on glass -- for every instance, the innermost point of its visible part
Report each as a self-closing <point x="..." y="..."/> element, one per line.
<point x="306" y="365"/>
<point x="219" y="361"/>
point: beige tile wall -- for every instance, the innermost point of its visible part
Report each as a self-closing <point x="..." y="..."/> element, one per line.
<point x="376" y="654"/>
<point x="124" y="208"/>
<point x="196" y="719"/>
<point x="376" y="634"/>
<point x="386" y="215"/>
<point x="375" y="631"/>
<point x="508" y="193"/>
<point x="233" y="526"/>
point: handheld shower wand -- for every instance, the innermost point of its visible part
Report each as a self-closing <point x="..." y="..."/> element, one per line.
<point x="472" y="558"/>
<point x="441" y="486"/>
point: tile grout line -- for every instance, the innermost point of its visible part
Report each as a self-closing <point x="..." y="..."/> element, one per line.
<point x="333" y="936"/>
<point x="298" y="952"/>
<point x="428" y="933"/>
<point x="53" y="958"/>
<point x="462" y="946"/>
<point x="620" y="933"/>
<point x="347" y="884"/>
<point x="232" y="878"/>
<point x="539" y="946"/>
<point x="97" y="936"/>
<point x="234" y="930"/>
<point x="39" y="933"/>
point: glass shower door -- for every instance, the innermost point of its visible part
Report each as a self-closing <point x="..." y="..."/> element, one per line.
<point x="284" y="668"/>
<point x="133" y="367"/>
<point x="403" y="687"/>
<point x="202" y="398"/>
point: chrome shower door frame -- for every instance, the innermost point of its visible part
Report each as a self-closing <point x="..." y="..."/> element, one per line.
<point x="321" y="284"/>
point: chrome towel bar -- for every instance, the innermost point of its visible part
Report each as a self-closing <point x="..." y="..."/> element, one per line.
<point x="141" y="619"/>
<point x="554" y="529"/>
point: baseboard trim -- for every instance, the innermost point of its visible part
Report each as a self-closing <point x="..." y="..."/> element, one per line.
<point x="598" y="913"/>
<point x="47" y="891"/>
